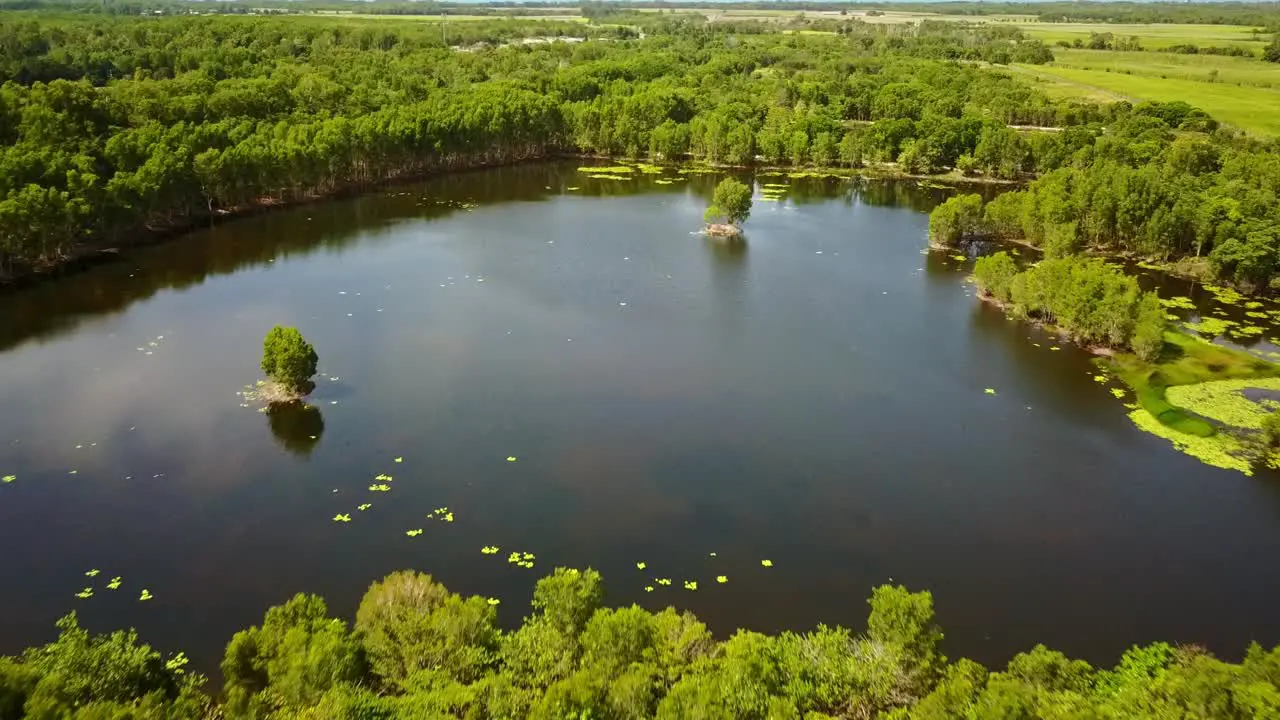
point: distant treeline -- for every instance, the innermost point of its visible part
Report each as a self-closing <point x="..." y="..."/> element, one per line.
<point x="1214" y="13"/>
<point x="111" y="127"/>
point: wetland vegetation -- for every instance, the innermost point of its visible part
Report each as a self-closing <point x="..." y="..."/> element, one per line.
<point x="624" y="398"/>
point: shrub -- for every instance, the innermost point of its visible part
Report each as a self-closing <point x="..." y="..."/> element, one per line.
<point x="994" y="275"/>
<point x="731" y="202"/>
<point x="957" y="219"/>
<point x="288" y="358"/>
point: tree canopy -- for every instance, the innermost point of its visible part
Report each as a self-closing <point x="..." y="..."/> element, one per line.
<point x="731" y="202"/>
<point x="288" y="359"/>
<point x="417" y="650"/>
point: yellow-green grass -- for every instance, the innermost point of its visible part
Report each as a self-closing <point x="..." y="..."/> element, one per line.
<point x="1186" y="360"/>
<point x="1253" y="109"/>
<point x="567" y="17"/>
<point x="1229" y="70"/>
<point x="1152" y="36"/>
<point x="1058" y="87"/>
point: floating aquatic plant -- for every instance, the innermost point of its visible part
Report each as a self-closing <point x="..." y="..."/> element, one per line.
<point x="92" y="573"/>
<point x="648" y="588"/>
<point x="1179" y="301"/>
<point x="414" y="533"/>
<point x="8" y="479"/>
<point x="766" y="563"/>
<point x="1219" y="450"/>
<point x="663" y="581"/>
<point x="690" y="584"/>
<point x="364" y="506"/>
<point x="399" y="459"/>
<point x="85" y="594"/>
<point x="379" y="488"/>
<point x="990" y="391"/>
<point x="342" y="517"/>
<point x="1224" y="400"/>
<point x="722" y="579"/>
<point x="114" y="584"/>
<point x="489" y="549"/>
<point x="511" y="458"/>
<point x="606" y="169"/>
<point x="961" y="258"/>
<point x="494" y="601"/>
<point x="1117" y="392"/>
<point x="641" y="566"/>
<point x="146" y="595"/>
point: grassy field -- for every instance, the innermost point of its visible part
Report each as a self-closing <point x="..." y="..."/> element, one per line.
<point x="1243" y="92"/>
<point x="1152" y="37"/>
<point x="567" y="16"/>
<point x="1203" y="68"/>
<point x="1252" y="109"/>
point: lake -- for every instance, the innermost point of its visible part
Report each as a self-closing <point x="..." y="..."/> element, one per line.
<point x="815" y="397"/>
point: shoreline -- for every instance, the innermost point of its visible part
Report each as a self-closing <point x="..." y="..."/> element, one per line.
<point x="104" y="251"/>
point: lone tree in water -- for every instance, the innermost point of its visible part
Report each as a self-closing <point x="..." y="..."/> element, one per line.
<point x="289" y="360"/>
<point x="730" y="204"/>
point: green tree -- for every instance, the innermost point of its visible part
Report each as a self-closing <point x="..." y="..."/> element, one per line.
<point x="407" y="623"/>
<point x="288" y="359"/>
<point x="994" y="274"/>
<point x="957" y="219"/>
<point x="296" y="656"/>
<point x="91" y="676"/>
<point x="1250" y="260"/>
<point x="731" y="202"/>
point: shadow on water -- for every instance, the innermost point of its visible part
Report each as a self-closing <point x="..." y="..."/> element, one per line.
<point x="53" y="308"/>
<point x="296" y="427"/>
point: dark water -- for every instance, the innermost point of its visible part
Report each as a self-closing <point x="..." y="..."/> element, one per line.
<point x="815" y="398"/>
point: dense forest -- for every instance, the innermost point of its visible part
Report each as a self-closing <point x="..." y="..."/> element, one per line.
<point x="1207" y="200"/>
<point x="115" y="128"/>
<point x="418" y="651"/>
<point x="112" y="127"/>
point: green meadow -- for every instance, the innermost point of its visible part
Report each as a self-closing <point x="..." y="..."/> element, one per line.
<point x="1250" y="108"/>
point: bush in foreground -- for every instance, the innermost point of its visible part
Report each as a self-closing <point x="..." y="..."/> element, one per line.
<point x="434" y="654"/>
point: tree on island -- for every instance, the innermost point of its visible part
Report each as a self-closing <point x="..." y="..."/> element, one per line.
<point x="730" y="207"/>
<point x="289" y="360"/>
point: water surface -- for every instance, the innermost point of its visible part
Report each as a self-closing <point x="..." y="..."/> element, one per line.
<point x="815" y="397"/>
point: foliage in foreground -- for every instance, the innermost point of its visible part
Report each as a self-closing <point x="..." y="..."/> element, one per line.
<point x="420" y="651"/>
<point x="288" y="359"/>
<point x="1093" y="301"/>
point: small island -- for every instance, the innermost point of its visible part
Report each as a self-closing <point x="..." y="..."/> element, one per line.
<point x="290" y="364"/>
<point x="730" y="207"/>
